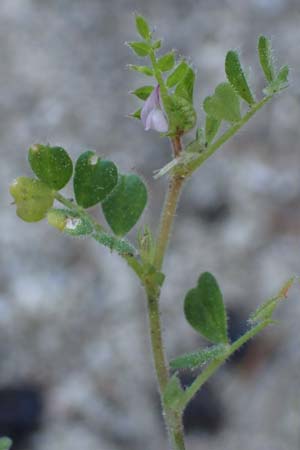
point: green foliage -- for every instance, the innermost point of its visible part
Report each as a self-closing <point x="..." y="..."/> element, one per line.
<point x="204" y="309"/>
<point x="52" y="165"/>
<point x="143" y="92"/>
<point x="94" y="179"/>
<point x="136" y="114"/>
<point x="181" y="115"/>
<point x="166" y="62"/>
<point x="145" y="70"/>
<point x="156" y="45"/>
<point x="5" y="443"/>
<point x="198" y="144"/>
<point x="172" y="393"/>
<point x="195" y="359"/>
<point x="266" y="310"/>
<point x="142" y="27"/>
<point x="69" y="222"/>
<point x="266" y="58"/>
<point x="185" y="87"/>
<point x="212" y="126"/>
<point x="279" y="83"/>
<point x="237" y="77"/>
<point x="224" y="104"/>
<point x="140" y="48"/>
<point x="121" y="246"/>
<point x="177" y="75"/>
<point x="124" y="206"/>
<point x="33" y="198"/>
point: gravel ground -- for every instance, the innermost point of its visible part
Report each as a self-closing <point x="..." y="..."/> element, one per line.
<point x="72" y="316"/>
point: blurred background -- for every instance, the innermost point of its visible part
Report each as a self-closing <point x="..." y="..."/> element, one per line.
<point x="75" y="370"/>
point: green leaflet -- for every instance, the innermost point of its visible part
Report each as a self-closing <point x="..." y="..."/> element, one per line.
<point x="204" y="309"/>
<point x="33" y="198"/>
<point x="142" y="27"/>
<point x="52" y="165"/>
<point x="224" y="104"/>
<point x="266" y="58"/>
<point x="140" y="48"/>
<point x="124" y="206"/>
<point x="266" y="310"/>
<point x="121" y="246"/>
<point x="143" y="92"/>
<point x="94" y="179"/>
<point x="136" y="114"/>
<point x="212" y="126"/>
<point x="279" y="83"/>
<point x="185" y="88"/>
<point x="237" y="78"/>
<point x="156" y="45"/>
<point x="145" y="70"/>
<point x="178" y="73"/>
<point x="166" y="62"/>
<point x="198" y="358"/>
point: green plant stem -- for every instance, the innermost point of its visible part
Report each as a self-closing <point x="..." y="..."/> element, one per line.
<point x="173" y="421"/>
<point x="158" y="75"/>
<point x="160" y="362"/>
<point x="101" y="233"/>
<point x="169" y="209"/>
<point x="167" y="218"/>
<point x="193" y="165"/>
<point x="214" y="365"/>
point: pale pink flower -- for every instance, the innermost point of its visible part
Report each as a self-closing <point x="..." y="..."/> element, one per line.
<point x="152" y="114"/>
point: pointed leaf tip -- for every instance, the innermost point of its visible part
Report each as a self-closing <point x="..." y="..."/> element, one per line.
<point x="141" y="49"/>
<point x="237" y="77"/>
<point x="204" y="309"/>
<point x="177" y="75"/>
<point x="185" y="88"/>
<point x="145" y="70"/>
<point x="166" y="62"/>
<point x="279" y="83"/>
<point x="266" y="310"/>
<point x="266" y="58"/>
<point x="143" y="92"/>
<point x="142" y="27"/>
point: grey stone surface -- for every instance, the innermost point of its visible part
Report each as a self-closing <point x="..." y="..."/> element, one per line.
<point x="72" y="315"/>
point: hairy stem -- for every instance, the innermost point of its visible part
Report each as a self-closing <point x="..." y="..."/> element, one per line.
<point x="100" y="234"/>
<point x="169" y="209"/>
<point x="214" y="365"/>
<point x="167" y="218"/>
<point x="196" y="163"/>
<point x="173" y="423"/>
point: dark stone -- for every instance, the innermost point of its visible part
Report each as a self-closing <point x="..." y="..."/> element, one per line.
<point x="20" y="412"/>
